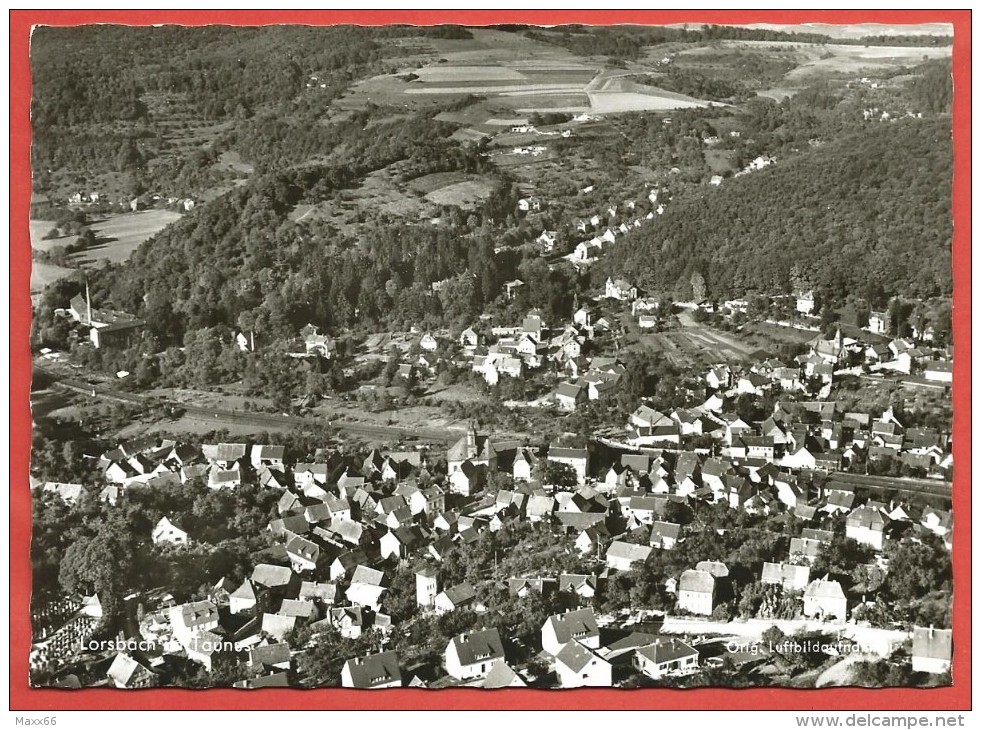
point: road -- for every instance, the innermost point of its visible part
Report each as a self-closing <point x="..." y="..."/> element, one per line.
<point x="260" y="420"/>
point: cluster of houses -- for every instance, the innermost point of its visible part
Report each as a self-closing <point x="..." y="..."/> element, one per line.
<point x="344" y="523"/>
<point x="519" y="351"/>
<point x="607" y="225"/>
<point x="572" y="642"/>
<point x="806" y="434"/>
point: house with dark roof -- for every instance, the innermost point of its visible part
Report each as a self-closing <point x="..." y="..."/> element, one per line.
<point x="473" y="655"/>
<point x="376" y="671"/>
<point x="269" y="657"/>
<point x="455" y="597"/>
<point x="303" y="554"/>
<point x="664" y="535"/>
<point x="561" y="628"/>
<point x="665" y="656"/>
<point x="501" y="676"/>
<point x="866" y="525"/>
<point x="579" y="666"/>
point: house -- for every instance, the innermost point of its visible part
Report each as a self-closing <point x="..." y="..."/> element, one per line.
<point x="696" y="592"/>
<point x="128" y="672"/>
<point x="469" y="338"/>
<point x="428" y="343"/>
<point x="243" y="598"/>
<point x="302" y="553"/>
<point x="620" y="290"/>
<point x="270" y="457"/>
<point x="584" y="586"/>
<point x="427" y="586"/>
<point x="866" y="525"/>
<point x="665" y="656"/>
<point x="940" y="371"/>
<point x="501" y="676"/>
<point x="454" y="597"/>
<point x="568" y="396"/>
<point x="367" y="587"/>
<point x="664" y="535"/>
<point x="789" y="577"/>
<point x="624" y="555"/>
<point x="932" y="649"/>
<point x="192" y="619"/>
<point x="376" y="671"/>
<point x="805" y="302"/>
<point x="167" y="533"/>
<point x="716" y="180"/>
<point x="562" y="628"/>
<point x="578" y="666"/>
<point x="578" y="459"/>
<point x="825" y="599"/>
<point x="468" y="479"/>
<point x="276" y="578"/>
<point x="878" y="323"/>
<point x="269" y="657"/>
<point x="805" y="548"/>
<point x="473" y="655"/>
<point x="350" y="621"/>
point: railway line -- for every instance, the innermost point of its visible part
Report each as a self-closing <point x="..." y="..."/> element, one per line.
<point x="225" y="416"/>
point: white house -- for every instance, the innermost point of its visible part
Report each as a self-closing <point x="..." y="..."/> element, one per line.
<point x="377" y="671"/>
<point x="562" y="628"/>
<point x="167" y="533"/>
<point x="578" y="666"/>
<point x="665" y="656"/>
<point x="472" y="655"/>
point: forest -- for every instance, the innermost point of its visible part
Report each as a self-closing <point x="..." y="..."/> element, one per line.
<point x="882" y="222"/>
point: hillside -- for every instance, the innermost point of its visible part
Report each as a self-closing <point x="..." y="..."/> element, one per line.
<point x="871" y="209"/>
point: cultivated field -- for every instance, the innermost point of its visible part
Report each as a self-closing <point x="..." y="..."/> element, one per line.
<point x="512" y="71"/>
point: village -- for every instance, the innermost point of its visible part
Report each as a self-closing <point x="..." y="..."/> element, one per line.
<point x="347" y="523"/>
<point x="478" y="361"/>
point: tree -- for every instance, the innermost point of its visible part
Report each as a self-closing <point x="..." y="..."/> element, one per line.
<point x="698" y="288"/>
<point x="557" y="474"/>
<point x="400" y="599"/>
<point x="106" y="562"/>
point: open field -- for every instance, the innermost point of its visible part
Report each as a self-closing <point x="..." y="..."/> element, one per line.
<point x="117" y="237"/>
<point x="465" y="194"/>
<point x="508" y="69"/>
<point x="44" y="274"/>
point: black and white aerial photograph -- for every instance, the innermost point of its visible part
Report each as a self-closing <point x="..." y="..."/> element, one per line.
<point x="502" y="356"/>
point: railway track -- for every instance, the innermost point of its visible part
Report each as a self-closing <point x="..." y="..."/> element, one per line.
<point x="905" y="485"/>
<point x="225" y="416"/>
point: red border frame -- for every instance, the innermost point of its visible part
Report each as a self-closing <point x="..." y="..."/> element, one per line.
<point x="24" y="698"/>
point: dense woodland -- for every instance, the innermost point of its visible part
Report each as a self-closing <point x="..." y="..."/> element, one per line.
<point x="883" y="222"/>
